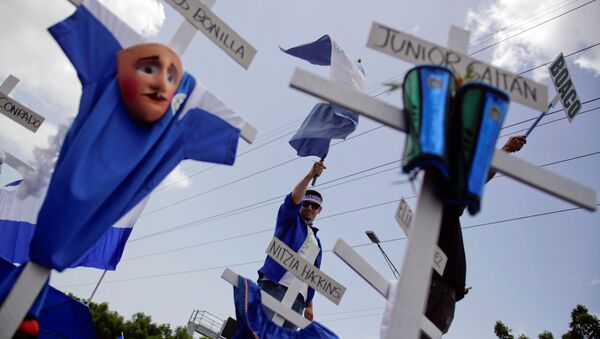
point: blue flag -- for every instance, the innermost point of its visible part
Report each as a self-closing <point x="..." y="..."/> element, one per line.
<point x="323" y="123"/>
<point x="18" y="217"/>
<point x="108" y="163"/>
<point x="326" y="121"/>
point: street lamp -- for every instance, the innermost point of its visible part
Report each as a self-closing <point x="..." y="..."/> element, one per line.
<point x="374" y="239"/>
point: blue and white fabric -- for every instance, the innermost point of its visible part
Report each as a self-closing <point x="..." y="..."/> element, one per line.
<point x="326" y="121"/>
<point x="18" y="218"/>
<point x="253" y="322"/>
<point x="108" y="163"/>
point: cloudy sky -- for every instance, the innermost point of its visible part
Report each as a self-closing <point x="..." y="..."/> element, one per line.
<point x="531" y="258"/>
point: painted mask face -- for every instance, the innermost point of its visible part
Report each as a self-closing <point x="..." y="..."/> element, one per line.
<point x="148" y="76"/>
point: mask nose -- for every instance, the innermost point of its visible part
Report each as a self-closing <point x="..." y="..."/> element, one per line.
<point x="160" y="82"/>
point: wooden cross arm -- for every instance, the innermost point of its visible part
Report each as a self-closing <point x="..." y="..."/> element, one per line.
<point x="270" y="302"/>
<point x="17" y="164"/>
<point x="348" y="98"/>
<point x="373" y="278"/>
<point x="544" y="180"/>
<point x="392" y="116"/>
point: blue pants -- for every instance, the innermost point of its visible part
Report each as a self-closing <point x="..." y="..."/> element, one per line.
<point x="278" y="292"/>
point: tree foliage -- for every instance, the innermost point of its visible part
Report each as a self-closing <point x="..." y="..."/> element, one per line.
<point x="583" y="326"/>
<point x="109" y="325"/>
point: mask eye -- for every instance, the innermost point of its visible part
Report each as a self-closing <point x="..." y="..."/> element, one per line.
<point x="172" y="76"/>
<point x="148" y="69"/>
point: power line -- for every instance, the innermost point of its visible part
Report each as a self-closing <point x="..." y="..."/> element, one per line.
<point x="325" y="217"/>
<point x="551" y="121"/>
<point x="530" y="28"/>
<point x="285" y="162"/>
<point x="566" y="56"/>
<point x="259" y="204"/>
<point x="250" y="175"/>
<point x="277" y="198"/>
<point x="536" y="215"/>
<point x="520" y="23"/>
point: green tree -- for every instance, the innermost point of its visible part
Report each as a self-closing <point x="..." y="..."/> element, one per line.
<point x="502" y="331"/>
<point x="583" y="325"/>
<point x="545" y="335"/>
<point x="109" y="325"/>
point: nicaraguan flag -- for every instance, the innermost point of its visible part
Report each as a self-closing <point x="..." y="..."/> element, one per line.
<point x="108" y="163"/>
<point x="326" y="122"/>
<point x="18" y="218"/>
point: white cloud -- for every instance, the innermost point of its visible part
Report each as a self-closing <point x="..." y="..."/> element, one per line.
<point x="144" y="16"/>
<point x="594" y="282"/>
<point x="176" y="179"/>
<point x="48" y="83"/>
<point x="496" y="20"/>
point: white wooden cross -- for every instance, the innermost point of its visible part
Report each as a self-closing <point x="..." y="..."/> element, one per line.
<point x="7" y="86"/>
<point x="412" y="288"/>
<point x="304" y="273"/>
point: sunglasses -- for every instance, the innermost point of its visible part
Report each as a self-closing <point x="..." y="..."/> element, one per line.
<point x="310" y="204"/>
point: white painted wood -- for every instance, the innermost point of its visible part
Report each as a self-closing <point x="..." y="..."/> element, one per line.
<point x="270" y="302"/>
<point x="418" y="51"/>
<point x="19" y="113"/>
<point x="305" y="271"/>
<point x="348" y="98"/>
<point x="559" y="73"/>
<point x="439" y="260"/>
<point x="294" y="289"/>
<point x="429" y="328"/>
<point x="392" y="116"/>
<point x="17" y="164"/>
<point x="9" y="84"/>
<point x="376" y="280"/>
<point x="361" y="267"/>
<point x="458" y="38"/>
<point x="248" y="133"/>
<point x="186" y="32"/>
<point x="204" y="20"/>
<point x="404" y="217"/>
<point x="20" y="298"/>
<point x="413" y="286"/>
<point x="545" y="181"/>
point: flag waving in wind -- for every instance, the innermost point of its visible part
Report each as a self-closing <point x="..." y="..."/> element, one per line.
<point x="327" y="121"/>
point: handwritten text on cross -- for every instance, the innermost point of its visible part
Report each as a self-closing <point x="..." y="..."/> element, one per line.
<point x="305" y="271"/>
<point x="19" y="113"/>
<point x="215" y="29"/>
<point x="417" y="51"/>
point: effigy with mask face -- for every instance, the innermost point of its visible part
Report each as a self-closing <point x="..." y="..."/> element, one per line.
<point x="140" y="114"/>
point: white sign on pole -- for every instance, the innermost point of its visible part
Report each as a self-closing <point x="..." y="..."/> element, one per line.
<point x="565" y="87"/>
<point x="19" y="113"/>
<point x="216" y="30"/>
<point x="404" y="216"/>
<point x="305" y="271"/>
<point x="418" y="51"/>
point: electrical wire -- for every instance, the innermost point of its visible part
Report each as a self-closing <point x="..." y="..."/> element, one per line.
<point x="530" y="28"/>
<point x="203" y="269"/>
<point x="270" y="229"/>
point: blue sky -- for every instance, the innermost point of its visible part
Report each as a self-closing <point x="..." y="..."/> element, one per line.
<point x="528" y="272"/>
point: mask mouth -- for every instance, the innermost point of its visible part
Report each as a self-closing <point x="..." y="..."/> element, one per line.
<point x="156" y="96"/>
